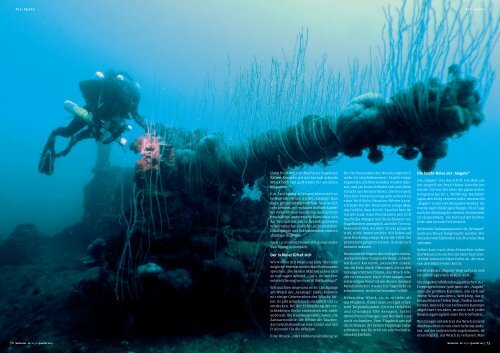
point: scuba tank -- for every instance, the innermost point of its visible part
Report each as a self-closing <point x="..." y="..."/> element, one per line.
<point x="87" y="117"/>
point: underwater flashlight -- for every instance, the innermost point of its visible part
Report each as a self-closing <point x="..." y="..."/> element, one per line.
<point x="79" y="112"/>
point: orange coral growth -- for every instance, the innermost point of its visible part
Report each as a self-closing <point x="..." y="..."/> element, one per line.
<point x="153" y="151"/>
<point x="148" y="147"/>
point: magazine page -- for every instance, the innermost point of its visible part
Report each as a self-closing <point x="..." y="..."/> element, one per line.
<point x="249" y="176"/>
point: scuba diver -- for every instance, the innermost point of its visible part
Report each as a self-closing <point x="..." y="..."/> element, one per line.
<point x="110" y="99"/>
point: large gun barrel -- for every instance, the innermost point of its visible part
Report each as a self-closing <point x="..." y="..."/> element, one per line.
<point x="418" y="120"/>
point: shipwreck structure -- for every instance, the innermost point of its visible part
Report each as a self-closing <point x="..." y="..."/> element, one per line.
<point x="189" y="245"/>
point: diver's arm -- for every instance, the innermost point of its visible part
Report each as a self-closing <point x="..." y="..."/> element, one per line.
<point x="139" y="119"/>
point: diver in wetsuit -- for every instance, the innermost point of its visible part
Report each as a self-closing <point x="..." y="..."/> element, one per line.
<point x="110" y="98"/>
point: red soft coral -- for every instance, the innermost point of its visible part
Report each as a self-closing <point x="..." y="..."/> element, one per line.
<point x="153" y="151"/>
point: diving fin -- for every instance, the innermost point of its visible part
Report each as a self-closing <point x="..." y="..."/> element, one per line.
<point x="47" y="159"/>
